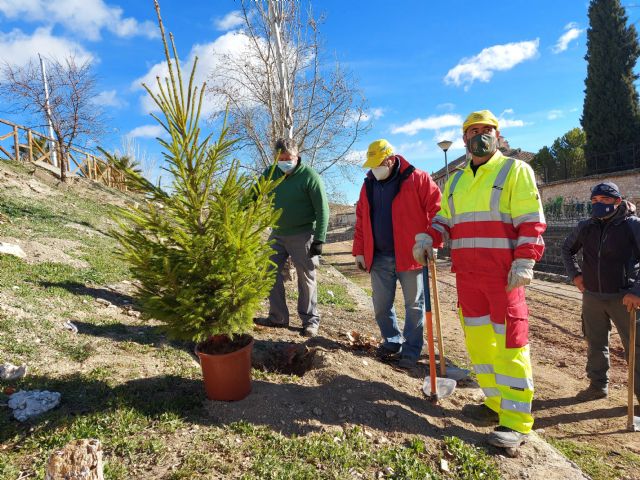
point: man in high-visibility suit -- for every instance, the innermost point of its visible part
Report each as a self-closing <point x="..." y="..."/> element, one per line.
<point x="492" y="213"/>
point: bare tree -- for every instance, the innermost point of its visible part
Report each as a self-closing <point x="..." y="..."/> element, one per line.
<point x="72" y="88"/>
<point x="322" y="107"/>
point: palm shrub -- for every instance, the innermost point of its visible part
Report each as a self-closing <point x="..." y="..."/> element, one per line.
<point x="197" y="248"/>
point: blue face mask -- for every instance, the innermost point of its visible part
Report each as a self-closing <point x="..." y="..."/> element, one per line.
<point x="602" y="210"/>
<point x="287" y="166"/>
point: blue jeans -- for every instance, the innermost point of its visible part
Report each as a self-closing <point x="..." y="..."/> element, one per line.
<point x="384" y="278"/>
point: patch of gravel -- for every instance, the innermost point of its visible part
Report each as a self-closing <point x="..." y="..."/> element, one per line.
<point x="53" y="250"/>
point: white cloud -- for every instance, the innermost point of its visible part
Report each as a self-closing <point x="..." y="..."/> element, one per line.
<point x="85" y="17"/>
<point x="209" y="55"/>
<point x="572" y="32"/>
<point x="109" y="98"/>
<point x="17" y="48"/>
<point x="453" y="135"/>
<point x="229" y="21"/>
<point x="430" y="123"/>
<point x="448" y="106"/>
<point x="355" y="157"/>
<point x="412" y="150"/>
<point x="373" y="114"/>
<point x="147" y="131"/>
<point x="509" y="122"/>
<point x="496" y="58"/>
<point x="376" y="113"/>
<point x="554" y="114"/>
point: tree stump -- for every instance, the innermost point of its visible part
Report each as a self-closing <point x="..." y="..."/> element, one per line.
<point x="78" y="460"/>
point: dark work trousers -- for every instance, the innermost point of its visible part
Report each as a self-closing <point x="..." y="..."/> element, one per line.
<point x="597" y="315"/>
<point x="297" y="247"/>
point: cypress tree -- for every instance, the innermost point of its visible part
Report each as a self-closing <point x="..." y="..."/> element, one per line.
<point x="610" y="117"/>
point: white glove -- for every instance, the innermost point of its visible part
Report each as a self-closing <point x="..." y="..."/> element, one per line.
<point x="423" y="249"/>
<point x="360" y="263"/>
<point x="521" y="273"/>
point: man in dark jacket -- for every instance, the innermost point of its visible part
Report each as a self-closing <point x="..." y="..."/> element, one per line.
<point x="608" y="279"/>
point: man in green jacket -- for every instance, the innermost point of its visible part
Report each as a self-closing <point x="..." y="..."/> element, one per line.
<point x="300" y="233"/>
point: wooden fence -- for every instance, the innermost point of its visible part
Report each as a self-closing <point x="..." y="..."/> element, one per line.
<point x="25" y="144"/>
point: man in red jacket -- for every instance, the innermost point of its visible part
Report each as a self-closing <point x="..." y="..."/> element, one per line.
<point x="397" y="201"/>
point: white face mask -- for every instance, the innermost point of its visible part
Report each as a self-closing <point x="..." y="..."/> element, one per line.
<point x="287" y="165"/>
<point x="381" y="172"/>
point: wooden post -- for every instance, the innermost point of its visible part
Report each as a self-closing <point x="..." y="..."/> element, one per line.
<point x="16" y="142"/>
<point x="30" y="141"/>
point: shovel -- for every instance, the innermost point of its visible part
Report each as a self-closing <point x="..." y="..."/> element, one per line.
<point x="452" y="371"/>
<point x="435" y="388"/>
<point x="633" y="422"/>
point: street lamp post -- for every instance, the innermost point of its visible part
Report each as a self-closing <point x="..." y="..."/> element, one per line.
<point x="444" y="145"/>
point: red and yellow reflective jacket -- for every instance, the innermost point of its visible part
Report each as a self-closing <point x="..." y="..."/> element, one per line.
<point x="492" y="217"/>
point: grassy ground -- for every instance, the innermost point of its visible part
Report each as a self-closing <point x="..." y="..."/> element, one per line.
<point x="123" y="383"/>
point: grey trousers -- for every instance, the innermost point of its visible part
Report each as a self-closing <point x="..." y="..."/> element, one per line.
<point x="296" y="247"/>
<point x="597" y="315"/>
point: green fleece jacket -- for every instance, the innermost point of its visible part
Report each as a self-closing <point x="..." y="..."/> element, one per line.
<point x="303" y="201"/>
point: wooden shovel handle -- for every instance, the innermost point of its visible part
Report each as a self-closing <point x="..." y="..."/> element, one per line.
<point x="632" y="362"/>
<point x="429" y="322"/>
<point x="436" y="301"/>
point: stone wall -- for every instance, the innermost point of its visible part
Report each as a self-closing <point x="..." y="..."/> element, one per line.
<point x="551" y="260"/>
<point x="578" y="190"/>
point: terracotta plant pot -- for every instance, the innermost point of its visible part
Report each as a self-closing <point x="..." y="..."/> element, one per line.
<point x="227" y="376"/>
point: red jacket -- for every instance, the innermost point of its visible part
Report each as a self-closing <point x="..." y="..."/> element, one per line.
<point x="417" y="202"/>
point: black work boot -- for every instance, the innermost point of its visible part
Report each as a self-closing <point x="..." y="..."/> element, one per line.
<point x="505" y="437"/>
<point x="388" y="353"/>
<point x="592" y="392"/>
<point x="480" y="412"/>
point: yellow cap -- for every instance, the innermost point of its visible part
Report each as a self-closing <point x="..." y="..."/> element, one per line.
<point x="377" y="152"/>
<point x="484" y="117"/>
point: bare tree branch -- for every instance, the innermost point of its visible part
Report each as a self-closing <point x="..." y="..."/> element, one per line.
<point x="72" y="88"/>
<point x="327" y="106"/>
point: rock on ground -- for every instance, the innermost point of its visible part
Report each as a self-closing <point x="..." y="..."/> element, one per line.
<point x="31" y="403"/>
<point x="78" y="460"/>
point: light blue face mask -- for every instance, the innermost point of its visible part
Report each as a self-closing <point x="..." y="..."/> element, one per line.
<point x="287" y="165"/>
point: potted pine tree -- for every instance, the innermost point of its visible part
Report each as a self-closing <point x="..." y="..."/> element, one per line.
<point x="198" y="248"/>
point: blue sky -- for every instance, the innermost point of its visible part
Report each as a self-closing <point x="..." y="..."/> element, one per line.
<point x="422" y="65"/>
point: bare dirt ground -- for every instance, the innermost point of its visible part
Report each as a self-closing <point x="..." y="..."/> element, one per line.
<point x="341" y="387"/>
<point x="558" y="354"/>
<point x="346" y="387"/>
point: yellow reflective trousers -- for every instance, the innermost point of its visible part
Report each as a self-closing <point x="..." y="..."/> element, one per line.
<point x="495" y="324"/>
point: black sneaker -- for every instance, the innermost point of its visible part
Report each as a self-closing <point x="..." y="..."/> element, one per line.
<point x="592" y="392"/>
<point x="480" y="412"/>
<point x="505" y="437"/>
<point x="386" y="353"/>
<point x="407" y="363"/>
<point x="268" y="322"/>
<point x="310" y="331"/>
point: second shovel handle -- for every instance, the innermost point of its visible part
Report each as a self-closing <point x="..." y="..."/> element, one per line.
<point x="631" y="364"/>
<point x="428" y="319"/>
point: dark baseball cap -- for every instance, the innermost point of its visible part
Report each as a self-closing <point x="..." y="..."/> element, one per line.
<point x="606" y="189"/>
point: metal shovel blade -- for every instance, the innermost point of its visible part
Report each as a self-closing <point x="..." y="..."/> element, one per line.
<point x="635" y="425"/>
<point x="457" y="373"/>
<point x="444" y="387"/>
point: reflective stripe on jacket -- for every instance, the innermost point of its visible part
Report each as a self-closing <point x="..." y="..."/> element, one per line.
<point x="413" y="209"/>
<point x="492" y="217"/>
